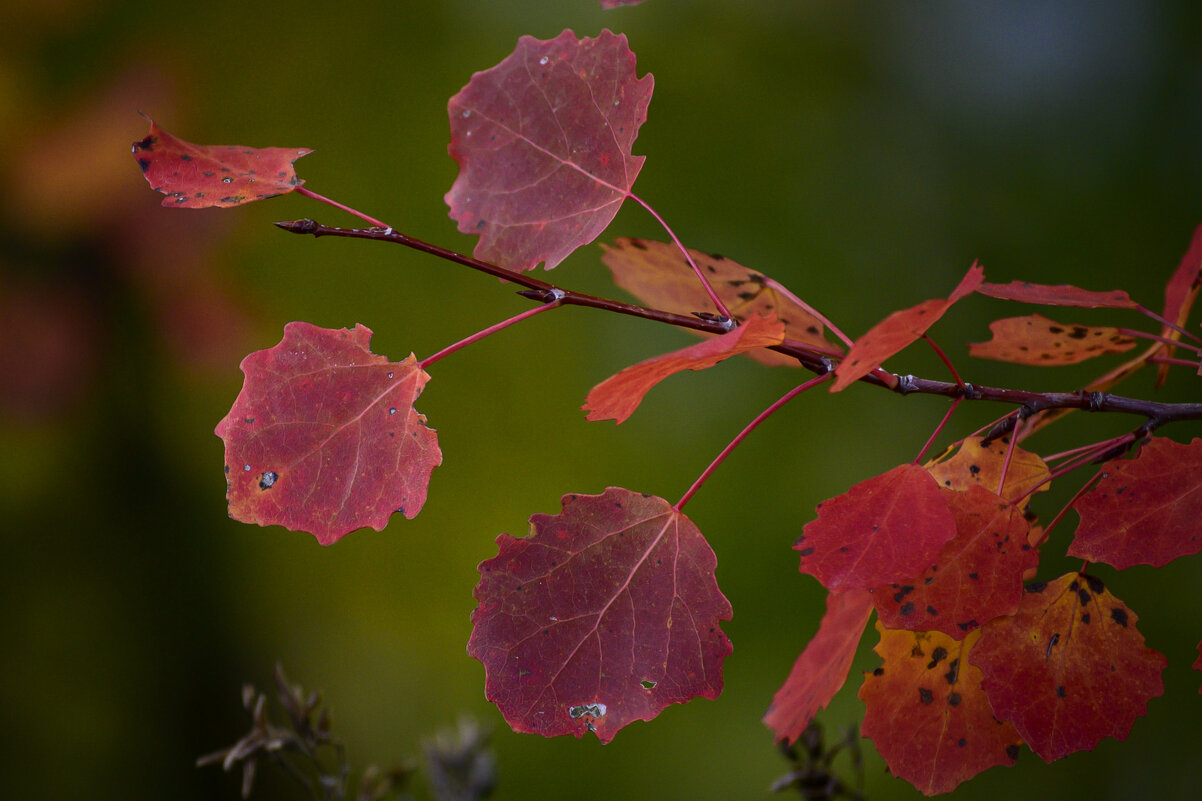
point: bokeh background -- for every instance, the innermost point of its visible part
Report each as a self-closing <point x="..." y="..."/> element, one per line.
<point x="862" y="153"/>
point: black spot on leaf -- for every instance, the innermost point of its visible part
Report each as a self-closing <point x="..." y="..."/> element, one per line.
<point x="1119" y="615"/>
<point x="925" y="696"/>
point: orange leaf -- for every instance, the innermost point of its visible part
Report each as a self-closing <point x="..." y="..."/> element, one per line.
<point x="618" y="396"/>
<point x="1070" y="668"/>
<point x="822" y="667"/>
<point x="926" y="714"/>
<point x="977" y="466"/>
<point x="198" y="177"/>
<point x="897" y="331"/>
<point x="1036" y="340"/>
<point x="657" y="274"/>
<point x="977" y="576"/>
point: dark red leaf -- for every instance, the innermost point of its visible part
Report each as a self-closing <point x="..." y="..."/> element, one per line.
<point x="1146" y="510"/>
<point x="977" y="576"/>
<point x="658" y="275"/>
<point x="618" y="396"/>
<point x="1037" y="341"/>
<point x="1070" y="668"/>
<point x="1180" y="294"/>
<point x="822" y="667"/>
<point x="607" y="613"/>
<point x="323" y="437"/>
<point x="1061" y="295"/>
<point x="898" y="331"/>
<point x="198" y="177"/>
<point x="543" y="141"/>
<point x="886" y="529"/>
<point x="926" y="714"/>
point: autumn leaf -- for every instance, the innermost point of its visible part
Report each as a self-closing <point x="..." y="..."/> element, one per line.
<point x="657" y="274"/>
<point x="1070" y="668"/>
<point x="1144" y="511"/>
<point x="543" y="141"/>
<point x="926" y="714"/>
<point x="898" y="331"/>
<point x="977" y="465"/>
<point x="617" y="397"/>
<point x="1179" y="295"/>
<point x="820" y="669"/>
<point x="324" y="438"/>
<point x="886" y="529"/>
<point x="607" y="613"/>
<point x="976" y="577"/>
<point x="1037" y="341"/>
<point x="1060" y="295"/>
<point x="198" y="177"/>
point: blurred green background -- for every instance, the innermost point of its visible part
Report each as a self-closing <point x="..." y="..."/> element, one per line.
<point x="862" y="153"/>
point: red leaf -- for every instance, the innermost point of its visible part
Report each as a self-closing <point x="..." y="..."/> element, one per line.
<point x="897" y="331"/>
<point x="1180" y="294"/>
<point x="926" y="714"/>
<point x="607" y="613"/>
<point x="1035" y="340"/>
<point x="618" y="396"/>
<point x="543" y="141"/>
<point x="657" y="274"/>
<point x="822" y="667"/>
<point x="977" y="576"/>
<point x="1146" y="510"/>
<point x="1070" y="668"/>
<point x="198" y="177"/>
<point x="1061" y="295"/>
<point x="885" y="529"/>
<point x="323" y="437"/>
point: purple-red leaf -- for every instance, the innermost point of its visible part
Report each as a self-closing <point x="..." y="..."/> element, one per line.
<point x="619" y="395"/>
<point x="198" y="177"/>
<point x="1179" y="295"/>
<point x="897" y="331"/>
<point x="886" y="529"/>
<point x="543" y="141"/>
<point x="1070" y="668"/>
<point x="324" y="438"/>
<point x="1060" y="295"/>
<point x="1146" y="510"/>
<point x="822" y="667"/>
<point x="607" y="613"/>
<point x="976" y="577"/>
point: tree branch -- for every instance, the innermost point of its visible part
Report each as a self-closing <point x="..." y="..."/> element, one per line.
<point x="1156" y="413"/>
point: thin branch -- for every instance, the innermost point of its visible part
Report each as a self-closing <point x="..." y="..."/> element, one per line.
<point x="545" y="292"/>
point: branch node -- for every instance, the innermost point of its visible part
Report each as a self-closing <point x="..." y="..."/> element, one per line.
<point x="1095" y="401"/>
<point x="969" y="392"/>
<point x="906" y="384"/>
<point x="727" y="323"/>
<point x="305" y="226"/>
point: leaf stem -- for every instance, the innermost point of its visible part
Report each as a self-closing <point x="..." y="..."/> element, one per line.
<point x="487" y="332"/>
<point x="948" y="362"/>
<point x="709" y="290"/>
<point x="934" y="434"/>
<point x="300" y="190"/>
<point x="1176" y="343"/>
<point x="734" y="443"/>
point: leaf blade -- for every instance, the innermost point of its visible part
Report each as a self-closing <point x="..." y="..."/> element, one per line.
<point x="543" y="141"/>
<point x="323" y="436"/>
